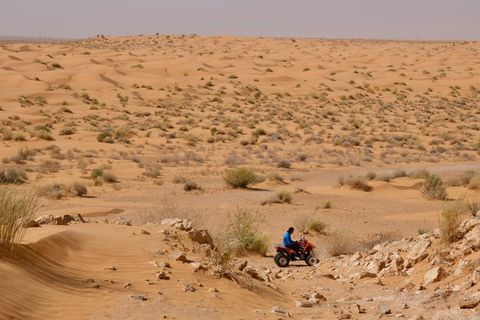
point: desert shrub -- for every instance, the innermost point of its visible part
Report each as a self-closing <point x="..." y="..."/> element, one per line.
<point x="101" y="137"/>
<point x="473" y="207"/>
<point x="152" y="173"/>
<point x="423" y="231"/>
<point x="96" y="173"/>
<point x="284" y="164"/>
<point x="378" y="238"/>
<point x="433" y="188"/>
<point x="243" y="229"/>
<point x="191" y="185"/>
<point x="282" y="196"/>
<point x="12" y="176"/>
<point x="49" y="166"/>
<point x="179" y="179"/>
<point x="16" y="208"/>
<point x="399" y="173"/>
<point x="371" y="175"/>
<point x="54" y="191"/>
<point x="355" y="182"/>
<point x="66" y="131"/>
<point x="327" y="204"/>
<point x="42" y="134"/>
<point x="340" y="242"/>
<point x="419" y="174"/>
<point x="79" y="189"/>
<point x="311" y="223"/>
<point x="474" y="183"/>
<point x="450" y="220"/>
<point x="108" y="176"/>
<point x="239" y="178"/>
<point x="302" y="157"/>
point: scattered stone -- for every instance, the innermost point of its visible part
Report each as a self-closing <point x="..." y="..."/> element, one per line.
<point x="200" y="236"/>
<point x="362" y="275"/>
<point x="95" y="285"/>
<point x="241" y="264"/>
<point x="109" y="280"/>
<point x="49" y="219"/>
<point x="384" y="310"/>
<point x="181" y="224"/>
<point x="179" y="256"/>
<point x="318" y="296"/>
<point x="126" y="285"/>
<point x="122" y="221"/>
<point x="90" y="280"/>
<point x="213" y="289"/>
<point x="468" y="302"/>
<point x="189" y="287"/>
<point x="280" y="311"/>
<point x="143" y="298"/>
<point x="259" y="311"/>
<point x="111" y="268"/>
<point x="144" y="232"/>
<point x="417" y="317"/>
<point x="66" y="219"/>
<point x="30" y="223"/>
<point x="302" y="304"/>
<point x="433" y="275"/>
<point x="161" y="252"/>
<point x="418" y="252"/>
<point x="161" y="276"/>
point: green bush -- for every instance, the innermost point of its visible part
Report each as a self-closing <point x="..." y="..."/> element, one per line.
<point x="433" y="188"/>
<point x="16" y="208"/>
<point x="96" y="173"/>
<point x="244" y="231"/>
<point x="239" y="178"/>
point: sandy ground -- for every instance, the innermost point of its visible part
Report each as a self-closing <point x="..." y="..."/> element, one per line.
<point x="156" y="111"/>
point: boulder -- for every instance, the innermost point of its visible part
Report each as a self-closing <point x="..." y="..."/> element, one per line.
<point x="302" y="304"/>
<point x="181" y="224"/>
<point x="66" y="219"/>
<point x="200" y="236"/>
<point x="435" y="274"/>
<point x="241" y="264"/>
<point x="179" y="256"/>
<point x="418" y="252"/>
<point x="280" y="311"/>
<point x="49" y="219"/>
<point x="375" y="266"/>
<point x="467" y="302"/>
<point x="30" y="223"/>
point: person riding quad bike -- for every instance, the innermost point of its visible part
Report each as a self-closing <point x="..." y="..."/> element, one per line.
<point x="294" y="250"/>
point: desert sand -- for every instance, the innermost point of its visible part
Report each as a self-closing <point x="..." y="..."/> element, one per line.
<point x="155" y="113"/>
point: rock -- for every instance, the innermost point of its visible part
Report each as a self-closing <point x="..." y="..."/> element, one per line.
<point x="302" y="304"/>
<point x="384" y="310"/>
<point x="356" y="256"/>
<point x="200" y="236"/>
<point x="197" y="266"/>
<point x="30" y="223"/>
<point x="144" y="232"/>
<point x="181" y="224"/>
<point x="213" y="289"/>
<point x="318" y="296"/>
<point x="280" y="311"/>
<point x="240" y="265"/>
<point x="417" y="317"/>
<point x="189" y="287"/>
<point x="139" y="298"/>
<point x="462" y="286"/>
<point x="122" y="221"/>
<point x="66" y="219"/>
<point x="375" y="266"/>
<point x="95" y="285"/>
<point x="179" y="256"/>
<point x="355" y="308"/>
<point x="418" y="252"/>
<point x="472" y="239"/>
<point x="126" y="285"/>
<point x="90" y="280"/>
<point x="111" y="268"/>
<point x="362" y="275"/>
<point x="161" y="275"/>
<point x="467" y="302"/>
<point x="433" y="275"/>
<point x="259" y="311"/>
<point x="258" y="274"/>
<point x="49" y="219"/>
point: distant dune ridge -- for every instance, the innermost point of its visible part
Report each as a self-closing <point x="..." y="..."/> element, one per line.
<point x="337" y="137"/>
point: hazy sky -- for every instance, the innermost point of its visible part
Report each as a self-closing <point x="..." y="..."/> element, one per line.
<point x="390" y="19"/>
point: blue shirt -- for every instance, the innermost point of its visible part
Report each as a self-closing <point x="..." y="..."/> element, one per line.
<point x="287" y="239"/>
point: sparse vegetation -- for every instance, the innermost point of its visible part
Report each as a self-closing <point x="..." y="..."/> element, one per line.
<point x="239" y="178"/>
<point x="16" y="208"/>
<point x="311" y="223"/>
<point x="433" y="188"/>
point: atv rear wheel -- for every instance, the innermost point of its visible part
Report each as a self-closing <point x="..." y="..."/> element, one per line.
<point x="310" y="260"/>
<point x="282" y="260"/>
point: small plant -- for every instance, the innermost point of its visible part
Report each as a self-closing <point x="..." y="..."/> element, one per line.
<point x="108" y="176"/>
<point x="96" y="173"/>
<point x="327" y="204"/>
<point x="12" y="176"/>
<point x="423" y="231"/>
<point x="55" y="191"/>
<point x="340" y="242"/>
<point x="243" y="228"/>
<point x="311" y="223"/>
<point x="419" y="174"/>
<point x="284" y="164"/>
<point x="57" y="65"/>
<point x="191" y="185"/>
<point x="179" y="179"/>
<point x="450" y="220"/>
<point x="79" y="189"/>
<point x="16" y="208"/>
<point x="433" y="188"/>
<point x="239" y="178"/>
<point x="355" y="182"/>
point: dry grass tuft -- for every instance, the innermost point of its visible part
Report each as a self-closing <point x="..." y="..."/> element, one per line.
<point x="433" y="188"/>
<point x="340" y="242"/>
<point x="16" y="208"/>
<point x="311" y="223"/>
<point x="239" y="178"/>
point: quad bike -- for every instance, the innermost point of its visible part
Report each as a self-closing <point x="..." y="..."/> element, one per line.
<point x="285" y="255"/>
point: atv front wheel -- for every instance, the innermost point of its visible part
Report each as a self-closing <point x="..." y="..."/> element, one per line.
<point x="282" y="260"/>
